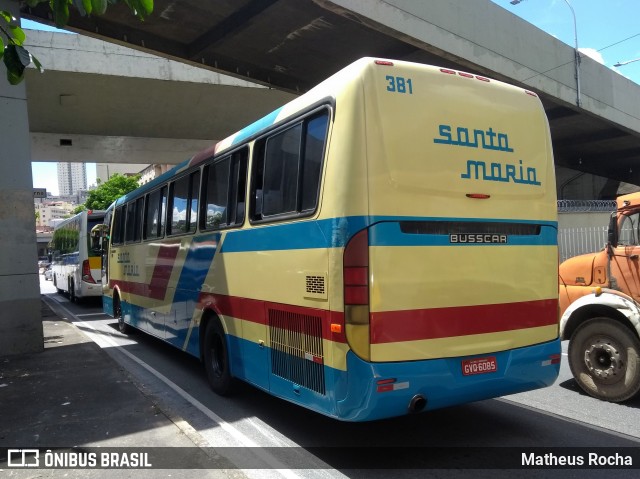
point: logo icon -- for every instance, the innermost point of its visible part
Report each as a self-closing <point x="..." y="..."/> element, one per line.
<point x="23" y="458"/>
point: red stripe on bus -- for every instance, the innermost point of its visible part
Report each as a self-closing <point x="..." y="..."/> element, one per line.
<point x="162" y="271"/>
<point x="157" y="287"/>
<point x="255" y="310"/>
<point x="412" y="325"/>
<point x="130" y="287"/>
<point x="241" y="308"/>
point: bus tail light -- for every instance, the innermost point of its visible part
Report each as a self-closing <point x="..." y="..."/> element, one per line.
<point x="356" y="294"/>
<point x="86" y="272"/>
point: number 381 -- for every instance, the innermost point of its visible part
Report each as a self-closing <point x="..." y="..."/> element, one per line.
<point x="399" y="84"/>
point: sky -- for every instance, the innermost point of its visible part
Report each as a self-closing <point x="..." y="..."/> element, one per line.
<point x="608" y="31"/>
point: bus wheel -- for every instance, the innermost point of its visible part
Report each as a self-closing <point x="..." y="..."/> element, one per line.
<point x="123" y="327"/>
<point x="216" y="359"/>
<point x="55" y="284"/>
<point x="604" y="357"/>
<point x="72" y="292"/>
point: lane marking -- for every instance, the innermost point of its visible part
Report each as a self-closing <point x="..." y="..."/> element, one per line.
<point x="98" y="337"/>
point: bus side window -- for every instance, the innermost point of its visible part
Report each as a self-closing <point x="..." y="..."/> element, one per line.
<point x="315" y="139"/>
<point x="216" y="190"/>
<point x="133" y="230"/>
<point x="119" y="218"/>
<point x="288" y="165"/>
<point x="155" y="208"/>
<point x="280" y="184"/>
<point x="224" y="189"/>
<point x="194" y="190"/>
<point x="183" y="200"/>
<point x="238" y="186"/>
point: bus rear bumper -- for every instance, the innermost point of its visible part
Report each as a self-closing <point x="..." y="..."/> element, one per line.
<point x="382" y="390"/>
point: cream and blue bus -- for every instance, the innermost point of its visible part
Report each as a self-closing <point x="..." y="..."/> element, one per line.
<point x="384" y="244"/>
<point x="76" y="260"/>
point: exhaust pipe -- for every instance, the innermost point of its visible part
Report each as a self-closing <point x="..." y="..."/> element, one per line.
<point x="417" y="403"/>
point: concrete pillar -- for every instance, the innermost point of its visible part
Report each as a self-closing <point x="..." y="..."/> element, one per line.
<point x="20" y="319"/>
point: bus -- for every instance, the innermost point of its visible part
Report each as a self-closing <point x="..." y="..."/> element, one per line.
<point x="384" y="244"/>
<point x="76" y="260"/>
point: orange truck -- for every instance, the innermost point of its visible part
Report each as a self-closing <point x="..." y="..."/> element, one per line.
<point x="600" y="309"/>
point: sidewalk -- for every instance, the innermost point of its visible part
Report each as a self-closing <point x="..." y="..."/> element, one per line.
<point x="74" y="395"/>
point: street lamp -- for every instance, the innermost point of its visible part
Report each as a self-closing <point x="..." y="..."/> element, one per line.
<point x="576" y="52"/>
<point x="619" y="64"/>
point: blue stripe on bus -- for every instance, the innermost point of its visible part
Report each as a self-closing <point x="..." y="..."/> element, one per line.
<point x="389" y="234"/>
<point x="441" y="382"/>
<point x="196" y="267"/>
<point x="335" y="232"/>
<point x="256" y="127"/>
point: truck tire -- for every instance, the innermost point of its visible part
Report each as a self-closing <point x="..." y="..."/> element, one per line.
<point x="216" y="359"/>
<point x="604" y="356"/>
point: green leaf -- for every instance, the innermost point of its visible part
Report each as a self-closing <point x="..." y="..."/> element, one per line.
<point x="6" y="16"/>
<point x="99" y="6"/>
<point x="16" y="60"/>
<point x="84" y="7"/>
<point x="14" y="78"/>
<point x="37" y="64"/>
<point x="18" y="34"/>
<point x="34" y="3"/>
<point x="140" y="8"/>
<point x="60" y="10"/>
<point x="145" y="6"/>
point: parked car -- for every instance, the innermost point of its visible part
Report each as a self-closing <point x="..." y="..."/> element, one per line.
<point x="48" y="273"/>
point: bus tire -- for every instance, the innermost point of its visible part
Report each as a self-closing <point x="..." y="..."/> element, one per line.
<point x="123" y="327"/>
<point x="73" y="297"/>
<point x="216" y="359"/>
<point x="55" y="284"/>
<point x="604" y="357"/>
<point x="72" y="292"/>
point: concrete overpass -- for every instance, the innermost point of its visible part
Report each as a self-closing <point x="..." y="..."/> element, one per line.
<point x="289" y="45"/>
<point x="105" y="103"/>
<point x="294" y="44"/>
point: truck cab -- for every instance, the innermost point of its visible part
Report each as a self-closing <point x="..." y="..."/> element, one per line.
<point x="600" y="309"/>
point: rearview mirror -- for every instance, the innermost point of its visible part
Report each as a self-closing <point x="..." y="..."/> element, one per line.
<point x="612" y="233"/>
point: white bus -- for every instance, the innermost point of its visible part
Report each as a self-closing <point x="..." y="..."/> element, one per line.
<point x="76" y="262"/>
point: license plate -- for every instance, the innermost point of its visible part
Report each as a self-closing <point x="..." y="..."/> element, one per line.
<point x="479" y="366"/>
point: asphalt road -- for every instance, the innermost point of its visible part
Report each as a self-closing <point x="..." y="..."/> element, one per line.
<point x="454" y="442"/>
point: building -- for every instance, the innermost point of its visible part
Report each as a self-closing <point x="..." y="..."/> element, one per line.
<point x="71" y="178"/>
<point x="153" y="171"/>
<point x="104" y="171"/>
<point x="52" y="212"/>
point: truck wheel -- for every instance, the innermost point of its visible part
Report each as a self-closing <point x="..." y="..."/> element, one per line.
<point x="604" y="357"/>
<point x="216" y="359"/>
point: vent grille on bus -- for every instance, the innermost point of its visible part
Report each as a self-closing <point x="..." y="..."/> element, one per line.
<point x="315" y="284"/>
<point x="296" y="348"/>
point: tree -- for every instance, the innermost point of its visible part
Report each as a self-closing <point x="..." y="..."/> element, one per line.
<point x="17" y="58"/>
<point x="109" y="191"/>
<point x="79" y="209"/>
